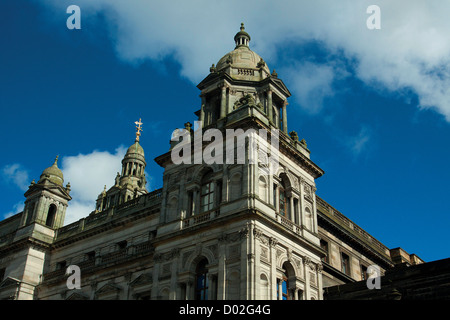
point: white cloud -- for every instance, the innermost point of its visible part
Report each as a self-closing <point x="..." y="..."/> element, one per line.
<point x="18" y="207"/>
<point x="411" y="51"/>
<point x="312" y="84"/>
<point x="16" y="174"/>
<point x="356" y="144"/>
<point x="88" y="174"/>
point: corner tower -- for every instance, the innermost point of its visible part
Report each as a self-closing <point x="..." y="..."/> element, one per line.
<point x="251" y="226"/>
<point x="47" y="200"/>
<point x="242" y="77"/>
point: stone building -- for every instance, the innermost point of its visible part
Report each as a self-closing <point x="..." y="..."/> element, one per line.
<point x="230" y="230"/>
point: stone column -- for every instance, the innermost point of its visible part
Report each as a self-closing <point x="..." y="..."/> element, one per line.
<point x="319" y="280"/>
<point x="221" y="269"/>
<point x="212" y="291"/>
<point x="245" y="279"/>
<point x="174" y="274"/>
<point x="257" y="266"/>
<point x="273" y="267"/>
<point x="196" y="201"/>
<point x="245" y="179"/>
<point x="181" y="294"/>
<point x="225" y="184"/>
<point x="182" y="196"/>
<point x="301" y="201"/>
<point x="270" y="187"/>
<point x="275" y="190"/>
<point x="202" y="110"/>
<point x="307" y="293"/>
<point x="314" y="209"/>
<point x="285" y="117"/>
<point x="223" y="102"/>
<point x="291" y="208"/>
<point x="155" y="289"/>
<point x="269" y="106"/>
<point x="189" y="289"/>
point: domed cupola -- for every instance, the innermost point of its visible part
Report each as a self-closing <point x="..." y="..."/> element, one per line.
<point x="53" y="174"/>
<point x="242" y="63"/>
<point x="133" y="163"/>
<point x="240" y="85"/>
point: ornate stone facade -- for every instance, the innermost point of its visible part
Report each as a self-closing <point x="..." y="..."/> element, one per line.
<point x="220" y="231"/>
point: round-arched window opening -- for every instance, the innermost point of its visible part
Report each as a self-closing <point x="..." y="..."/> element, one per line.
<point x="51" y="214"/>
<point x="202" y="282"/>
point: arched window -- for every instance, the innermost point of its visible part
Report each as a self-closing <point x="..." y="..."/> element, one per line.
<point x="264" y="287"/>
<point x="284" y="291"/>
<point x="30" y="213"/>
<point x="51" y="215"/>
<point x="262" y="186"/>
<point x="201" y="280"/>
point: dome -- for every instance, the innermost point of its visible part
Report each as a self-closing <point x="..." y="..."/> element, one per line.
<point x="242" y="57"/>
<point x="135" y="149"/>
<point x="53" y="173"/>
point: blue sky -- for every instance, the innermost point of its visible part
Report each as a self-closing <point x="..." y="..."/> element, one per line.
<point x="373" y="105"/>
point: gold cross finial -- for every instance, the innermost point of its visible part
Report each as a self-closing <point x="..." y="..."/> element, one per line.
<point x="138" y="129"/>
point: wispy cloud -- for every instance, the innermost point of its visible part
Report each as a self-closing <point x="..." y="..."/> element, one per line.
<point x="412" y="49"/>
<point x="16" y="174"/>
<point x="358" y="143"/>
<point x="312" y="83"/>
<point x="18" y="207"/>
<point x="88" y="174"/>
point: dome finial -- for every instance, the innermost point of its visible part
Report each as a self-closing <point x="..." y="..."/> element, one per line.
<point x="242" y="26"/>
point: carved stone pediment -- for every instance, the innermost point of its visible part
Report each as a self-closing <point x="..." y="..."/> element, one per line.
<point x="77" y="296"/>
<point x="143" y="279"/>
<point x="108" y="290"/>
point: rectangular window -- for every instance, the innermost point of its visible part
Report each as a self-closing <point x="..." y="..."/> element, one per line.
<point x="345" y="261"/>
<point x="207" y="197"/>
<point x="295" y="218"/>
<point x="190" y="208"/>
